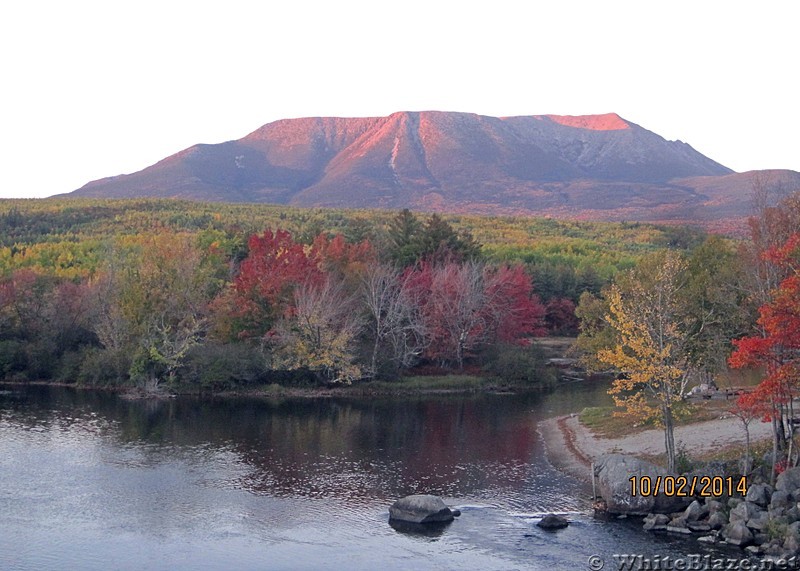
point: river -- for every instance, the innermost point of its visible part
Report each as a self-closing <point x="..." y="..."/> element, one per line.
<point x="90" y="481"/>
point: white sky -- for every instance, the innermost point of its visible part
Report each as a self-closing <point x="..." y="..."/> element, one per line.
<point x="93" y="89"/>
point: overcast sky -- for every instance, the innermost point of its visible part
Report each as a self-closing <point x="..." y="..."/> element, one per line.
<point x="95" y="89"/>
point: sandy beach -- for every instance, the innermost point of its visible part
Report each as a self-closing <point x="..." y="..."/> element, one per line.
<point x="572" y="448"/>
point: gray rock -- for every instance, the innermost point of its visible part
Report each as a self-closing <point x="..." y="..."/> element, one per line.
<point x="744" y="512"/>
<point x="552" y="521"/>
<point x="707" y="539"/>
<point x="698" y="526"/>
<point x="788" y="480"/>
<point x="759" y="522"/>
<point x="793" y="528"/>
<point x="777" y="512"/>
<point x="779" y="519"/>
<point x="420" y="508"/>
<point x="613" y="474"/>
<point x="714" y="506"/>
<point x="708" y="470"/>
<point x="662" y="519"/>
<point x="695" y="511"/>
<point x="717" y="520"/>
<point x="774" y="548"/>
<point x="736" y="533"/>
<point x="759" y="494"/>
<point x="655" y="522"/>
<point x="678" y="529"/>
<point x="780" y="499"/>
<point x="792" y="543"/>
<point x="677" y="522"/>
<point x="753" y="549"/>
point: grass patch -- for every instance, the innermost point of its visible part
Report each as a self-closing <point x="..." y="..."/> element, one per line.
<point x="604" y="424"/>
<point x="404" y="386"/>
<point x="729" y="455"/>
<point x="434" y="383"/>
<point x="734" y="452"/>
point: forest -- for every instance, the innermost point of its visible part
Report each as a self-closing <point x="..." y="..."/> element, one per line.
<point x="682" y="319"/>
<point x="166" y="295"/>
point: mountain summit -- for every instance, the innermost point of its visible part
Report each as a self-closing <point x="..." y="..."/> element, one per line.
<point x="591" y="166"/>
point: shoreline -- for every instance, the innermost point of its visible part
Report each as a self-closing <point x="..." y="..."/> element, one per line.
<point x="572" y="448"/>
<point x="280" y="392"/>
<point x="561" y="449"/>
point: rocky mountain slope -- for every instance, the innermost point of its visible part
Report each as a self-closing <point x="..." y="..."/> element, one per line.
<point x="596" y="166"/>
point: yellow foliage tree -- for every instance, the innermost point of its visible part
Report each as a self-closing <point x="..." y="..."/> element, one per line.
<point x="320" y="335"/>
<point x="647" y="314"/>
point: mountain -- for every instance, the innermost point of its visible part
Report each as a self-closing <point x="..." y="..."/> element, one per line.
<point x="594" y="166"/>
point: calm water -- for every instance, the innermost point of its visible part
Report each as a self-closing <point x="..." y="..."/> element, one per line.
<point x="91" y="481"/>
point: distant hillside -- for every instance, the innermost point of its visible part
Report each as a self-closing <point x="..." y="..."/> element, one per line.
<point x="588" y="167"/>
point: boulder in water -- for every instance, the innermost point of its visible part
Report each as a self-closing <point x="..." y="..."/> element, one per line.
<point x="552" y="521"/>
<point x="420" y="508"/>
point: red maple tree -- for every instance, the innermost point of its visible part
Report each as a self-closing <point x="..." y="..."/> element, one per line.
<point x="466" y="306"/>
<point x="262" y="291"/>
<point x="777" y="349"/>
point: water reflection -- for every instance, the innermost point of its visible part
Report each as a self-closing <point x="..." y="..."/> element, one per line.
<point x="429" y="531"/>
<point x="360" y="450"/>
<point x="92" y="481"/>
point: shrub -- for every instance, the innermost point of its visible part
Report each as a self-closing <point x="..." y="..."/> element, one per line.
<point x="103" y="367"/>
<point x="221" y="366"/>
<point x="12" y="358"/>
<point x="518" y="364"/>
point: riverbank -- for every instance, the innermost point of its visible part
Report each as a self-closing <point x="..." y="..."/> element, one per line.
<point x="407" y="386"/>
<point x="572" y="447"/>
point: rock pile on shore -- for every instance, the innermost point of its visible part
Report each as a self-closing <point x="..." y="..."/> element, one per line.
<point x="766" y="521"/>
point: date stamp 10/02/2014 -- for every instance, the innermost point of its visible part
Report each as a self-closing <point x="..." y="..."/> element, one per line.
<point x="688" y="486"/>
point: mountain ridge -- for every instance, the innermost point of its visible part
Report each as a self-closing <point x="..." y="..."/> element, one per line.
<point x="601" y="166"/>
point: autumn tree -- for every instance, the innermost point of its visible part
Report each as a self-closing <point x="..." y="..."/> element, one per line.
<point x="342" y="260"/>
<point x="152" y="302"/>
<point x="770" y="226"/>
<point x="595" y="333"/>
<point x="320" y="334"/>
<point x="453" y="298"/>
<point x="44" y="323"/>
<point x="394" y="315"/>
<point x="514" y="311"/>
<point x="275" y="266"/>
<point x="747" y="408"/>
<point x="299" y="303"/>
<point x="647" y="313"/>
<point x="777" y="348"/>
<point x="466" y="306"/>
<point x="560" y="316"/>
<point x="716" y="300"/>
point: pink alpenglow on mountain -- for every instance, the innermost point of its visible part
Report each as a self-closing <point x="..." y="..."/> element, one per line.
<point x="598" y="167"/>
<point x="607" y="122"/>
